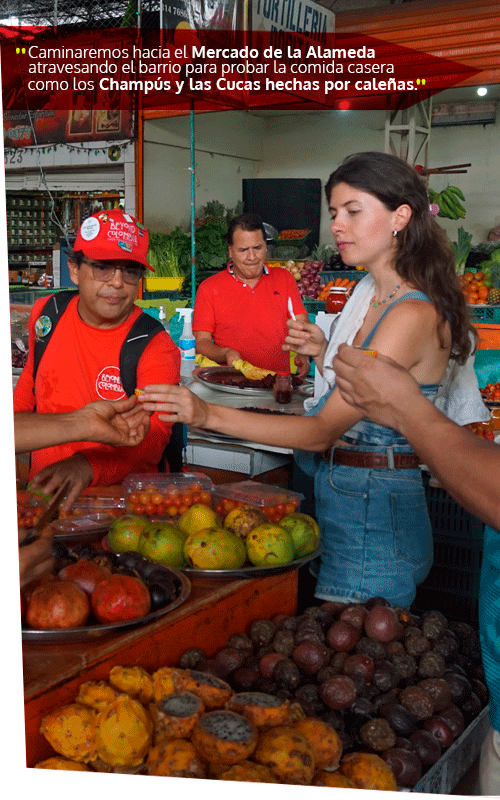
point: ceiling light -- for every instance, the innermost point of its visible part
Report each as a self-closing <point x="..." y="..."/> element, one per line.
<point x="482" y="90"/>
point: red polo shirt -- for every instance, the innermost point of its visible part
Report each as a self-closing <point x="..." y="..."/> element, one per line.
<point x="251" y="321"/>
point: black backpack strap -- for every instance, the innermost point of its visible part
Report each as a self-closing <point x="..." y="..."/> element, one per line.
<point x="46" y="323"/>
<point x="142" y="331"/>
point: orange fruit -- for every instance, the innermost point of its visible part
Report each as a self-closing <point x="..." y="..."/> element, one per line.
<point x="473" y="286"/>
<point x="483" y="292"/>
<point x="468" y="276"/>
<point x="479" y="276"/>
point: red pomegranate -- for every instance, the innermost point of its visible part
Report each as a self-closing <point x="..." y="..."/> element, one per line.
<point x="85" y="573"/>
<point x="120" y="598"/>
<point x="57" y="604"/>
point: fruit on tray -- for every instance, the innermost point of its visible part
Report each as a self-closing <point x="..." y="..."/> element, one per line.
<point x="215" y="548"/>
<point x="62" y="763"/>
<point x="85" y="573"/>
<point x="163" y="542"/>
<point x="134" y="681"/>
<point x="120" y="598"/>
<point x="70" y="731"/>
<point x="491" y="392"/>
<point x="203" y="361"/>
<point x="243" y="519"/>
<point x="125" y="532"/>
<point x="57" y="604"/>
<point x="30" y="508"/>
<point x="176" y="758"/>
<point x="196" y="518"/>
<point x="304" y="531"/>
<point x="368" y="771"/>
<point x="250" y="371"/>
<point x="288" y="755"/>
<point x="269" y="545"/>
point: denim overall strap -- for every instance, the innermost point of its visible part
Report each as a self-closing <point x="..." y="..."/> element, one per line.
<point x="416" y="295"/>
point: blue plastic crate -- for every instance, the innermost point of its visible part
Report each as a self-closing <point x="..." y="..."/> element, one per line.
<point x="490" y="314"/>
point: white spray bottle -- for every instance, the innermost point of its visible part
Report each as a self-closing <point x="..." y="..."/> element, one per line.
<point x="187" y="342"/>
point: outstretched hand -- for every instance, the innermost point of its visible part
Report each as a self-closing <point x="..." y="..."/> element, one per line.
<point x="35" y="559"/>
<point x="118" y="422"/>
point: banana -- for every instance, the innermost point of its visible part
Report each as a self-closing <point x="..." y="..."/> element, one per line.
<point x="453" y="200"/>
<point x="457" y="191"/>
<point x="446" y="207"/>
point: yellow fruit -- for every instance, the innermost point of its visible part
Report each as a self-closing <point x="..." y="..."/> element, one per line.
<point x="196" y="518"/>
<point x="304" y="531"/>
<point x="164" y="543"/>
<point x="124" y="733"/>
<point x="71" y="730"/>
<point x="244" y="519"/>
<point x="61" y="763"/>
<point x="214" y="548"/>
<point x="125" y="532"/>
<point x="269" y="545"/>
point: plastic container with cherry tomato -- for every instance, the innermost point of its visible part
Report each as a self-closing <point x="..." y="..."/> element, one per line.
<point x="96" y="504"/>
<point x="273" y="501"/>
<point x="166" y="495"/>
<point x="30" y="507"/>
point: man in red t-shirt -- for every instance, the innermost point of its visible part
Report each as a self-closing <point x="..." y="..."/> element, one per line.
<point x="81" y="361"/>
<point x="242" y="311"/>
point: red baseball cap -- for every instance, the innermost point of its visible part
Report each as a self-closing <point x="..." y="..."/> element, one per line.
<point x="112" y="235"/>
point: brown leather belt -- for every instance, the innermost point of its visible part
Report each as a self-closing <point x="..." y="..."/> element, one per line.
<point x="366" y="460"/>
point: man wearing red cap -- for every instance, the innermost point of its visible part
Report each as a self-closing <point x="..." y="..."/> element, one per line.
<point x="81" y="361"/>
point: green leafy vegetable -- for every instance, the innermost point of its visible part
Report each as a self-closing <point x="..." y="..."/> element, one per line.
<point x="461" y="248"/>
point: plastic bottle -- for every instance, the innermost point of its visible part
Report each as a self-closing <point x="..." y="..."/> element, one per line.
<point x="187" y="342"/>
<point x="162" y="316"/>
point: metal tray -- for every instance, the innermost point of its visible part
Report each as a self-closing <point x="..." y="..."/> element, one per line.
<point x="306" y="389"/>
<point x="96" y="631"/>
<point x="250" y="571"/>
<point x="207" y="375"/>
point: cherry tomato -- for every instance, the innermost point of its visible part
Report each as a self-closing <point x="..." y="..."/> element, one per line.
<point x="182" y="509"/>
<point x="157" y="498"/>
<point x="280" y="509"/>
<point x="144" y="498"/>
<point x="219" y="509"/>
<point x="228" y="504"/>
<point x="133" y="498"/>
<point x="195" y="487"/>
<point x="289" y="508"/>
<point x="172" y="511"/>
<point x="187" y="499"/>
<point x="196" y="497"/>
<point x="150" y="509"/>
<point x="160" y="509"/>
<point x="138" y="509"/>
<point x="206" y="498"/>
<point x="177" y="502"/>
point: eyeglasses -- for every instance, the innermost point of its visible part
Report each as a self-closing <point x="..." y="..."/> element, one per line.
<point x="131" y="273"/>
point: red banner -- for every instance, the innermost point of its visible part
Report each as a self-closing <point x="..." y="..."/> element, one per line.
<point x="172" y="69"/>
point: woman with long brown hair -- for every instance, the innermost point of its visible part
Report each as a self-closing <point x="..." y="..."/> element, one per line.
<point x="370" y="500"/>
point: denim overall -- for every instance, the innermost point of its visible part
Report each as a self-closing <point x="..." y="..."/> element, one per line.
<point x="376" y="533"/>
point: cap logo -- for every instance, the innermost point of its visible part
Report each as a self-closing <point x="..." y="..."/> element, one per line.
<point x="125" y="246"/>
<point x="90" y="229"/>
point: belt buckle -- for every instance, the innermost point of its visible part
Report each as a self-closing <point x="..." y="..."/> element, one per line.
<point x="390" y="457"/>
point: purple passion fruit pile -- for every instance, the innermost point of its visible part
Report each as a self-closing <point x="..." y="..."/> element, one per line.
<point x="395" y="684"/>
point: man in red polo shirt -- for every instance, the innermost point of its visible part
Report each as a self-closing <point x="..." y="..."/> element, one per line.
<point x="242" y="311"/>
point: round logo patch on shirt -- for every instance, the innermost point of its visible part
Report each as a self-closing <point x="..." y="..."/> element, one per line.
<point x="43" y="326"/>
<point x="90" y="229"/>
<point x="108" y="384"/>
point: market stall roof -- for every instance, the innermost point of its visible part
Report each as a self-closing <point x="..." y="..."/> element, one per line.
<point x="460" y="31"/>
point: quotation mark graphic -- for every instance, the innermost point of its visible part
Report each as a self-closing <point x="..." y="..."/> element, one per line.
<point x="420" y="81"/>
<point x="21" y="50"/>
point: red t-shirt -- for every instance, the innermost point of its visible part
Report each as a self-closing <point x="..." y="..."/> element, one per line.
<point x="80" y="365"/>
<point x="251" y="321"/>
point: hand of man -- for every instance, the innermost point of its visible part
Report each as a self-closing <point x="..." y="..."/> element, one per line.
<point x="118" y="422"/>
<point x="76" y="468"/>
<point x="378" y="386"/>
<point x="35" y="559"/>
<point x="231" y="356"/>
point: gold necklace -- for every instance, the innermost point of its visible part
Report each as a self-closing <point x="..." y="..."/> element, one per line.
<point x="376" y="303"/>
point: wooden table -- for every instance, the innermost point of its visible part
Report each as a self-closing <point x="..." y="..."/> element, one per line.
<point x="214" y="611"/>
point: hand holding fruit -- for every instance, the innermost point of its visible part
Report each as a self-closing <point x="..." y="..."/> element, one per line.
<point x="175" y="404"/>
<point x="76" y="469"/>
<point x="305" y="339"/>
